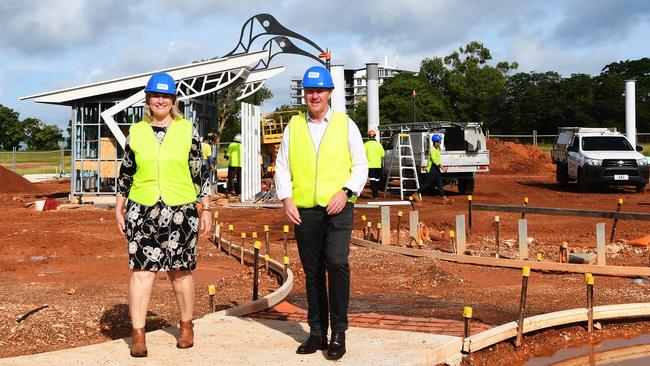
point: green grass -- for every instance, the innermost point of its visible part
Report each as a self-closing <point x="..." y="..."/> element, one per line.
<point x="36" y="162"/>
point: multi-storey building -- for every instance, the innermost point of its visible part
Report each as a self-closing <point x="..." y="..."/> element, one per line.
<point x="355" y="84"/>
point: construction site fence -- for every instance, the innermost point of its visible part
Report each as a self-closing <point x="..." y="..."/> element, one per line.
<point x="37" y="162"/>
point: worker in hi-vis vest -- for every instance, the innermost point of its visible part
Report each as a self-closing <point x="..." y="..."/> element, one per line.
<point x="320" y="170"/>
<point x="375" y="154"/>
<point x="434" y="172"/>
<point x="233" y="155"/>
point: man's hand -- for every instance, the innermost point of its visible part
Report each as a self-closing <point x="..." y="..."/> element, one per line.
<point x="291" y="211"/>
<point x="443" y="169"/>
<point x="337" y="203"/>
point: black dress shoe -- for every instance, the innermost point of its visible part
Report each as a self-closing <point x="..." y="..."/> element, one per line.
<point x="336" y="348"/>
<point x="312" y="344"/>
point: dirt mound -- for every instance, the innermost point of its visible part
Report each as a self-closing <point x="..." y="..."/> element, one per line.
<point x="11" y="182"/>
<point x="511" y="158"/>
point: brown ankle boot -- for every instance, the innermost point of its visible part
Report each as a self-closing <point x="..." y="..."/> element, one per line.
<point x="138" y="343"/>
<point x="186" y="336"/>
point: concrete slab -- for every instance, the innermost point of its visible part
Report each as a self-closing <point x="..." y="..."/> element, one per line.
<point x="35" y="178"/>
<point x="226" y="340"/>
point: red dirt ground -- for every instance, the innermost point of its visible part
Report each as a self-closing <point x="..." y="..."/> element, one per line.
<point x="74" y="260"/>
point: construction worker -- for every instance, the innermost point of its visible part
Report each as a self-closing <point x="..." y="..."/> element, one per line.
<point x="375" y="155"/>
<point x="320" y="170"/>
<point x="161" y="179"/>
<point x="434" y="172"/>
<point x="233" y="155"/>
<point x="208" y="159"/>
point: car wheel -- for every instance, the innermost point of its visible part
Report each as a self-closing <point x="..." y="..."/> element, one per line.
<point x="582" y="182"/>
<point x="640" y="188"/>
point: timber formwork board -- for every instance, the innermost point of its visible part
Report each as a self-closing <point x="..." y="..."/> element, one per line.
<point x="268" y="301"/>
<point x="534" y="323"/>
<point x="510" y="263"/>
<point x="563" y="212"/>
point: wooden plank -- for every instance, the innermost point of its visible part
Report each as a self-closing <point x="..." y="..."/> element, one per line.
<point x="385" y="224"/>
<point x="414" y="218"/>
<point x="511" y="263"/>
<point x="460" y="235"/>
<point x="609" y="357"/>
<point x="600" y="244"/>
<point x="549" y="320"/>
<point x="563" y="212"/>
<point x="523" y="239"/>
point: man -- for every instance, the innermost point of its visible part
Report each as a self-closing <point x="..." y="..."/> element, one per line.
<point x="375" y="154"/>
<point x="233" y="155"/>
<point x="434" y="172"/>
<point x="206" y="151"/>
<point x="320" y="169"/>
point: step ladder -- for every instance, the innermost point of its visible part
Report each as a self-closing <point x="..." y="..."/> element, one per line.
<point x="403" y="168"/>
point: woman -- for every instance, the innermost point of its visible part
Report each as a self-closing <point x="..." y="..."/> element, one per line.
<point x="161" y="176"/>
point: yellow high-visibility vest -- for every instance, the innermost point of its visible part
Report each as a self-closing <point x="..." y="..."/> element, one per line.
<point x="434" y="157"/>
<point x="234" y="154"/>
<point x="318" y="175"/>
<point x="374" y="153"/>
<point x="162" y="169"/>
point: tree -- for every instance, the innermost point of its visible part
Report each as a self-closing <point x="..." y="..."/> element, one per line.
<point x="11" y="133"/>
<point x="396" y="100"/>
<point x="228" y="121"/>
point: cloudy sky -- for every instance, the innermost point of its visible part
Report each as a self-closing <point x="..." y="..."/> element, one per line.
<point x="49" y="45"/>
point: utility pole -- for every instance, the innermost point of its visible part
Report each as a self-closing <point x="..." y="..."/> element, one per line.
<point x="414" y="94"/>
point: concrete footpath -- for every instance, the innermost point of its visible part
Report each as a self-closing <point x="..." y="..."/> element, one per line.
<point x="225" y="340"/>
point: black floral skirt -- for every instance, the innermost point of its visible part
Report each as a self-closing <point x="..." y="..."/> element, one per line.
<point x="162" y="237"/>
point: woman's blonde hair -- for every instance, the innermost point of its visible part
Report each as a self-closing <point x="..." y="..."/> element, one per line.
<point x="175" y="112"/>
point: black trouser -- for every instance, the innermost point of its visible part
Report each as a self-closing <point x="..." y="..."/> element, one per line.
<point x="374" y="175"/>
<point x="234" y="172"/>
<point x="324" y="245"/>
<point x="433" y="176"/>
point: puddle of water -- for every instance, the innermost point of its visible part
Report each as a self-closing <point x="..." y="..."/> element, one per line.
<point x="611" y="352"/>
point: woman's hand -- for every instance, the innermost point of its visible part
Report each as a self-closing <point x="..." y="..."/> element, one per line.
<point x="119" y="219"/>
<point x="205" y="222"/>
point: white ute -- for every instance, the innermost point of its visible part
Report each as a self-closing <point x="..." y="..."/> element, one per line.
<point x="598" y="157"/>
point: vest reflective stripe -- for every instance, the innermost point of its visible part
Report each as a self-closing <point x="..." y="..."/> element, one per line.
<point x="375" y="153"/>
<point x="162" y="170"/>
<point x="234" y="154"/>
<point x="318" y="176"/>
<point x="434" y="157"/>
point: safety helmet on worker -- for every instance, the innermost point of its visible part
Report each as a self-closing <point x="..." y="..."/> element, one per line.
<point x="317" y="77"/>
<point x="161" y="82"/>
<point x="372" y="133"/>
<point x="238" y="137"/>
<point x="436" y="137"/>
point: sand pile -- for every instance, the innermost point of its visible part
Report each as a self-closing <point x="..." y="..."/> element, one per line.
<point x="511" y="158"/>
<point x="11" y="182"/>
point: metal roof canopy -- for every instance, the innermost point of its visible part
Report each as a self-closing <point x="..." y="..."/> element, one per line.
<point x="192" y="80"/>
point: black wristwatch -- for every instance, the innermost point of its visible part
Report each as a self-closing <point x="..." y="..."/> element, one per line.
<point x="348" y="192"/>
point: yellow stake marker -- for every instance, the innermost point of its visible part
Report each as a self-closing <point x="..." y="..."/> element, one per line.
<point x="452" y="234"/>
<point x="266" y="258"/>
<point x="525" y="271"/>
<point x="399" y="213"/>
<point x="254" y="235"/>
<point x="285" y="260"/>
<point x="379" y="225"/>
<point x="212" y="290"/>
<point x="587" y="275"/>
<point x="539" y="257"/>
<point x="369" y="224"/>
<point x="221" y="224"/>
<point x="469" y="198"/>
<point x="420" y="243"/>
<point x="257" y="245"/>
<point x="467" y="312"/>
<point x="620" y="201"/>
<point x="215" y="215"/>
<point x="525" y="199"/>
<point x="590" y="280"/>
<point x="285" y="228"/>
<point x="363" y="217"/>
<point x="266" y="228"/>
<point x="231" y="227"/>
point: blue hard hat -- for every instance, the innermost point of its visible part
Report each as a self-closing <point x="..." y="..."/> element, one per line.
<point x="436" y="137"/>
<point x="161" y="82"/>
<point x="317" y="77"/>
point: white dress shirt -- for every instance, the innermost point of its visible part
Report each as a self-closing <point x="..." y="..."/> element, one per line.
<point x="359" y="171"/>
